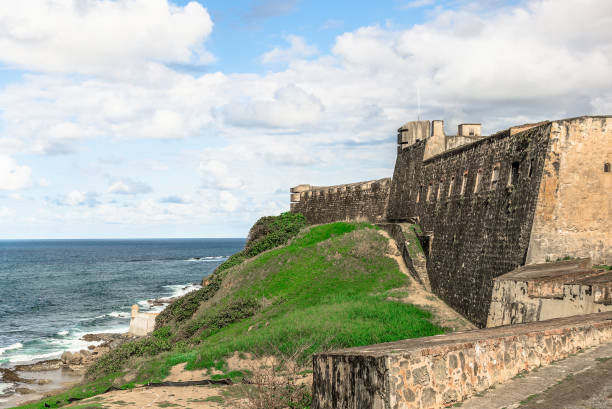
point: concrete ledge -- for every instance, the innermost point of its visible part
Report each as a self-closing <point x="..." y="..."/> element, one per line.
<point x="435" y="372"/>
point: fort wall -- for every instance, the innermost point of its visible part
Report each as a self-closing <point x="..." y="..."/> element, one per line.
<point x="363" y="201"/>
<point x="487" y="205"/>
<point x="574" y="211"/>
<point x="475" y="205"/>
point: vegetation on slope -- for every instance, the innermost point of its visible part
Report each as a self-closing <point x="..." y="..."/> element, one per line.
<point x="328" y="288"/>
<point x="268" y="232"/>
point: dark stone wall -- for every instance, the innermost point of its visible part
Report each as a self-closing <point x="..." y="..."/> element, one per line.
<point x="365" y="201"/>
<point x="350" y="382"/>
<point x="478" y="235"/>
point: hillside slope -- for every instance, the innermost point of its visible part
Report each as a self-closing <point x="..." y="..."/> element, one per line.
<point x="328" y="288"/>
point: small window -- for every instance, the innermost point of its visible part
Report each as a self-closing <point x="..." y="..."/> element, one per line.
<point x="419" y="194"/>
<point x="440" y="188"/>
<point x="451" y="184"/>
<point x="429" y="193"/>
<point x="607" y="167"/>
<point x="471" y="132"/>
<point x="514" y="174"/>
<point x="494" y="177"/>
<point x="531" y="167"/>
<point x="464" y="183"/>
<point x="478" y="181"/>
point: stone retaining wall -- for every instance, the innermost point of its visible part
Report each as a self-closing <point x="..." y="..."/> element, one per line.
<point x="436" y="372"/>
<point x="362" y="201"/>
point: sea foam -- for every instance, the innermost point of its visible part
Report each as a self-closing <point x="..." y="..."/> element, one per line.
<point x="17" y="345"/>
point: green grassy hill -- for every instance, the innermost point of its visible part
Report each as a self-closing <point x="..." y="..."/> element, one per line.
<point x="328" y="288"/>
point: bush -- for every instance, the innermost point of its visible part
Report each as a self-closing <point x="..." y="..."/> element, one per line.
<point x="267" y="233"/>
<point x="213" y="320"/>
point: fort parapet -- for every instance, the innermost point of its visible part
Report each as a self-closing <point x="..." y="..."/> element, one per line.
<point x="362" y="201"/>
<point x="487" y="205"/>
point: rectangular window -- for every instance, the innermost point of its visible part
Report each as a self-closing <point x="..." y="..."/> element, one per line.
<point x="464" y="183"/>
<point x="440" y="187"/>
<point x="429" y="193"/>
<point x="478" y="181"/>
<point x="451" y="184"/>
<point x="495" y="176"/>
<point x="531" y="167"/>
<point x="514" y="174"/>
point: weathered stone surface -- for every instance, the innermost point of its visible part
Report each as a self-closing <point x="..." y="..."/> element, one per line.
<point x="409" y="373"/>
<point x="549" y="290"/>
<point x="363" y="201"/>
<point x="531" y="193"/>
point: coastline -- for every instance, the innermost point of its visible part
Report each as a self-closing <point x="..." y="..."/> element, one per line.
<point x="32" y="381"/>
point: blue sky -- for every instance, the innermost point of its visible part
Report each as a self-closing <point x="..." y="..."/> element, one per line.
<point x="152" y="118"/>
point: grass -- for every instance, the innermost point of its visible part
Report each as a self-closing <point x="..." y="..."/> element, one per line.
<point x="326" y="289"/>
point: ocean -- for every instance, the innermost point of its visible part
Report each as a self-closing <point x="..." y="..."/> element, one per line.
<point x="52" y="292"/>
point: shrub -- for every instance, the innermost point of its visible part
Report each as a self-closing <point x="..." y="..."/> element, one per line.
<point x="271" y="231"/>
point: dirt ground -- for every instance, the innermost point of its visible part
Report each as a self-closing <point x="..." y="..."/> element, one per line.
<point x="195" y="397"/>
<point x="416" y="294"/>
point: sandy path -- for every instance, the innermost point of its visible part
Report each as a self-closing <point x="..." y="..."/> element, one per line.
<point x="194" y="397"/>
<point x="416" y="294"/>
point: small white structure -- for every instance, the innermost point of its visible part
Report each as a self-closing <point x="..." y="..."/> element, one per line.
<point x="142" y="323"/>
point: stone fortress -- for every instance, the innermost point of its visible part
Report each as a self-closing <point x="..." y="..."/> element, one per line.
<point x="484" y="206"/>
<point x="513" y="230"/>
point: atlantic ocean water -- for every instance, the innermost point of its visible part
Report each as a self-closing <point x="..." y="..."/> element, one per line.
<point x="52" y="292"/>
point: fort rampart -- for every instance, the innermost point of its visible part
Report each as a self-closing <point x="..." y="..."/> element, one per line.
<point x="363" y="201"/>
<point x="487" y="205"/>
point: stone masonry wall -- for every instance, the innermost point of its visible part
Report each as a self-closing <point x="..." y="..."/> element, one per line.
<point x="475" y="204"/>
<point x="574" y="212"/>
<point x="363" y="201"/>
<point x="435" y="372"/>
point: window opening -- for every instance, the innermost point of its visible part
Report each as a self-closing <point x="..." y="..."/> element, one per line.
<point x="478" y="181"/>
<point x="450" y="187"/>
<point x="514" y="173"/>
<point x="494" y="177"/>
<point x="440" y="187"/>
<point x="464" y="183"/>
<point x="607" y="167"/>
<point x="429" y="192"/>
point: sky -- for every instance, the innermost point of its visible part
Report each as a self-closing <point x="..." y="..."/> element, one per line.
<point x="160" y="118"/>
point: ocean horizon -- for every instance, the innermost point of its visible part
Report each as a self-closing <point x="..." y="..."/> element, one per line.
<point x="53" y="291"/>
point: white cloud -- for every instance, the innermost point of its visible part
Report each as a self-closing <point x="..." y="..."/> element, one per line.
<point x="127" y="186"/>
<point x="298" y="48"/>
<point x="228" y="201"/>
<point x="291" y="107"/>
<point x="78" y="198"/>
<point x="6" y="212"/>
<point x="101" y="36"/>
<point x="12" y="175"/>
<point x="217" y="175"/>
<point x="322" y="120"/>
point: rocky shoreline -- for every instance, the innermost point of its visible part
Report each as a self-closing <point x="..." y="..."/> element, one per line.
<point x="37" y="380"/>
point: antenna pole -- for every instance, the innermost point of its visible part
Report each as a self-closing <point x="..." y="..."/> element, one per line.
<point x="418" y="104"/>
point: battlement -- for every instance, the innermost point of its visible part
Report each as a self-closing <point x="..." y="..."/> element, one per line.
<point x="434" y="136"/>
<point x="365" y="201"/>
